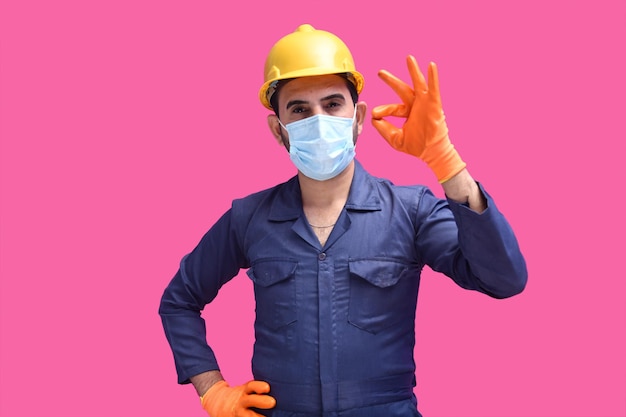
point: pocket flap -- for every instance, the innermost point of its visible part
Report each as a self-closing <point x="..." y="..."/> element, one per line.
<point x="269" y="272"/>
<point x="379" y="272"/>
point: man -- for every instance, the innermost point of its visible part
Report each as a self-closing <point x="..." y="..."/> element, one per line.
<point x="334" y="253"/>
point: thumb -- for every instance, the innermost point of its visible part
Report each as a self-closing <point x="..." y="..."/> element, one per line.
<point x="393" y="135"/>
<point x="396" y="110"/>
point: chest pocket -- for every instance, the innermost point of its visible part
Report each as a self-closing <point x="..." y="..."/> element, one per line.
<point x="275" y="292"/>
<point x="383" y="293"/>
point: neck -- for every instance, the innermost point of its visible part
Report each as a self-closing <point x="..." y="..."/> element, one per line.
<point x="322" y="194"/>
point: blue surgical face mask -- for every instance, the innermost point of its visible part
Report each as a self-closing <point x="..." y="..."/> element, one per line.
<point x="321" y="146"/>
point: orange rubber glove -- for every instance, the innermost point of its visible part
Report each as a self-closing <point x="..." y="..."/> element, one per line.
<point x="223" y="401"/>
<point x="425" y="133"/>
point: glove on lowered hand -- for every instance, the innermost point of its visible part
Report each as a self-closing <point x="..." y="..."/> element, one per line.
<point x="424" y="133"/>
<point x="221" y="400"/>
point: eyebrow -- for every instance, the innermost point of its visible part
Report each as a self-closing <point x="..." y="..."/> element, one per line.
<point x="330" y="97"/>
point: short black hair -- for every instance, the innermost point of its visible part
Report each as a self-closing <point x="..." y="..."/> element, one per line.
<point x="279" y="84"/>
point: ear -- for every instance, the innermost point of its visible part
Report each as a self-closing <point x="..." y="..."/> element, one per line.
<point x="274" y="125"/>
<point x="361" y="112"/>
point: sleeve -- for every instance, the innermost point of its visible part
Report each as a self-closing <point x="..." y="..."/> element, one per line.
<point x="479" y="251"/>
<point x="214" y="261"/>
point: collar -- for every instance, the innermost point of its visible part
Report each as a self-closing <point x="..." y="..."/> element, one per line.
<point x="363" y="196"/>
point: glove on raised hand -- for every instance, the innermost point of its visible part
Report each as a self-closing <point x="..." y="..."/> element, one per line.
<point x="221" y="400"/>
<point x="424" y="133"/>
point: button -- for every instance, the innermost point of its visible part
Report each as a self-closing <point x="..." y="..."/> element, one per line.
<point x="321" y="256"/>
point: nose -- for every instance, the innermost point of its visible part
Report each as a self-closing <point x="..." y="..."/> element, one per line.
<point x="318" y="109"/>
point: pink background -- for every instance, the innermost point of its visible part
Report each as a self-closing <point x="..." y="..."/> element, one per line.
<point x="127" y="127"/>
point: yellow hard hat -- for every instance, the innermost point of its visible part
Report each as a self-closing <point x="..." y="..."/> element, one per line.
<point x="304" y="53"/>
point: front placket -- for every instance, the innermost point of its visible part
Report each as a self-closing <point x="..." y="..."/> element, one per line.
<point x="327" y="313"/>
<point x="327" y="331"/>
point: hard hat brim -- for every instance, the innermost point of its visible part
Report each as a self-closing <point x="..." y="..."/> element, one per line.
<point x="265" y="94"/>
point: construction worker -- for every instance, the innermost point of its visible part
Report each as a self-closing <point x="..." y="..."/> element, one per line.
<point x="334" y="253"/>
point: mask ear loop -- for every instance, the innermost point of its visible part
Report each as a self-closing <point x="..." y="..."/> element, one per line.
<point x="353" y="120"/>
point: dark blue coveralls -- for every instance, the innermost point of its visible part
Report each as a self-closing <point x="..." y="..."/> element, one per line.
<point x="334" y="325"/>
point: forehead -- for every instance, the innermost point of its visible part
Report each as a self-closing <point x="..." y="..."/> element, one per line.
<point x="313" y="88"/>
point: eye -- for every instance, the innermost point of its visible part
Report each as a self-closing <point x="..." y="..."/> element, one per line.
<point x="299" y="109"/>
<point x="335" y="106"/>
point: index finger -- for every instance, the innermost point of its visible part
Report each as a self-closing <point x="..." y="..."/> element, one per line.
<point x="402" y="89"/>
<point x="264" y="402"/>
